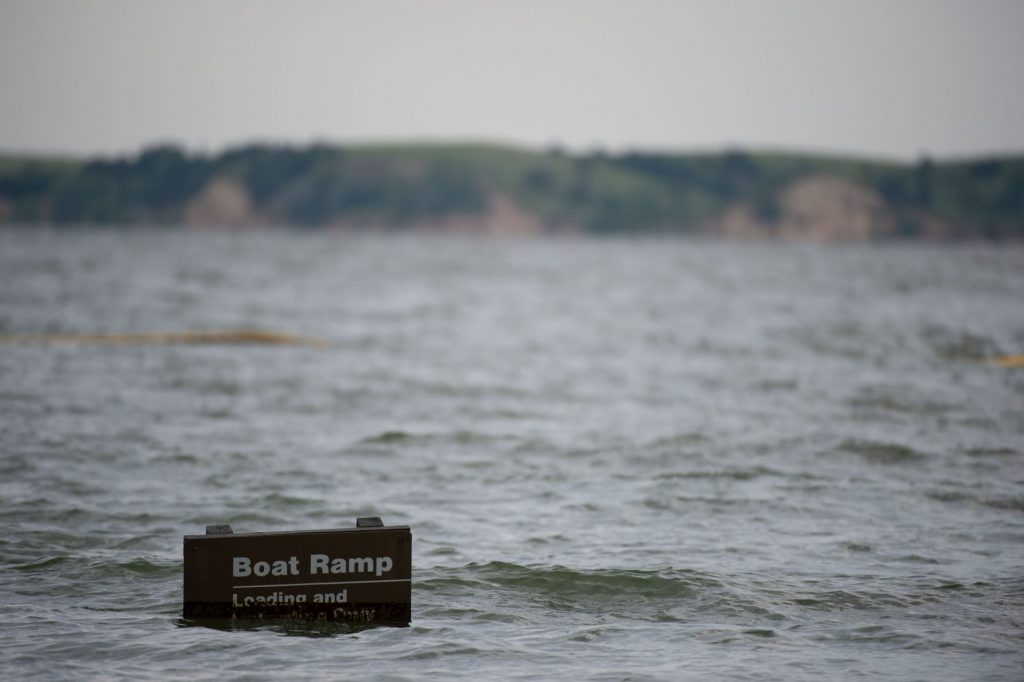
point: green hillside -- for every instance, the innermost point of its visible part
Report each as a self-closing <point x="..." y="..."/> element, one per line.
<point x="418" y="186"/>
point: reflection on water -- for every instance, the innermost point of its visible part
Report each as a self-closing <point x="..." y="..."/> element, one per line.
<point x="619" y="458"/>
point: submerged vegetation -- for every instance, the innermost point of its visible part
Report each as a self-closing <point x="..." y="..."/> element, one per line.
<point x="494" y="188"/>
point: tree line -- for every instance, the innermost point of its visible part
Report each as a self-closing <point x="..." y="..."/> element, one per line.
<point x="403" y="186"/>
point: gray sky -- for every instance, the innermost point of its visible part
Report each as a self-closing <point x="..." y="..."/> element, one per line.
<point x="896" y="78"/>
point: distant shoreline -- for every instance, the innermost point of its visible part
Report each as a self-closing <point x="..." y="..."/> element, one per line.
<point x="491" y="189"/>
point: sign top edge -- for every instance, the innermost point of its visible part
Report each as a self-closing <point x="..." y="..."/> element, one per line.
<point x="350" y="529"/>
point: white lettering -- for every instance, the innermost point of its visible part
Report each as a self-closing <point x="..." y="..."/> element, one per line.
<point x="240" y="567"/>
<point x="318" y="563"/>
<point x="330" y="597"/>
<point x="272" y="599"/>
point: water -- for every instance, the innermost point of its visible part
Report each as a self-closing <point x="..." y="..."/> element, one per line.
<point x="620" y="459"/>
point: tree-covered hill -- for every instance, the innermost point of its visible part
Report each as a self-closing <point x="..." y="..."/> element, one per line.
<point x="493" y="188"/>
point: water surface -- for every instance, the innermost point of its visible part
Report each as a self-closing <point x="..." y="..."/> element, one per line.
<point x="620" y="459"/>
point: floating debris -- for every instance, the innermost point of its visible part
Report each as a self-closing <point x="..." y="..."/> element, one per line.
<point x="255" y="337"/>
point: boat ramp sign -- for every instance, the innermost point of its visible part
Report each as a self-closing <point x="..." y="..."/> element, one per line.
<point x="356" y="575"/>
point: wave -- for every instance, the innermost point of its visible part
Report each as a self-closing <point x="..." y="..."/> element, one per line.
<point x="1000" y="502"/>
<point x="881" y="452"/>
<point x="501" y="591"/>
<point x="741" y="474"/>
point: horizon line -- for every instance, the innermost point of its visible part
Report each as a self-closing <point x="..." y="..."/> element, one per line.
<point x="200" y="151"/>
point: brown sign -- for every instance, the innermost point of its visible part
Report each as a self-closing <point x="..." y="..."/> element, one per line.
<point x="361" y="574"/>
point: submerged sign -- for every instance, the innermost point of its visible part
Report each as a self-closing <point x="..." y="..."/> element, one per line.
<point x="360" y="574"/>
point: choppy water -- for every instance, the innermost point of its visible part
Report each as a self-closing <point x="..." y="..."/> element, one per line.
<point x="645" y="460"/>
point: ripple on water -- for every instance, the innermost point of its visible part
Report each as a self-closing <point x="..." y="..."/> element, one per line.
<point x="737" y="474"/>
<point x="539" y="593"/>
<point x="881" y="452"/>
<point x="1008" y="502"/>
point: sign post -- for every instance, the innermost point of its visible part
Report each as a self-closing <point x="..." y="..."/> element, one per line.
<point x="355" y="575"/>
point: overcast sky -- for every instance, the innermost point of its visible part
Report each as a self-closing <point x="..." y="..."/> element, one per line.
<point x="895" y="78"/>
